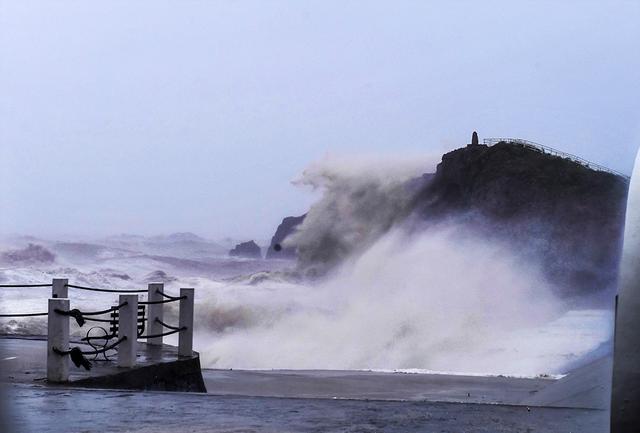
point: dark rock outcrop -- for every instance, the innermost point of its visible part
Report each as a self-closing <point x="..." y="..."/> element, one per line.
<point x="32" y="254"/>
<point x="159" y="277"/>
<point x="249" y="250"/>
<point x="554" y="209"/>
<point x="287" y="226"/>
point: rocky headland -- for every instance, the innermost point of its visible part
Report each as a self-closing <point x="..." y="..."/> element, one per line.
<point x="553" y="209"/>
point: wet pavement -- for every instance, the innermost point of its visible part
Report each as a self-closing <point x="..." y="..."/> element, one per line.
<point x="283" y="401"/>
<point x="369" y="385"/>
<point x="23" y="361"/>
<point x="57" y="410"/>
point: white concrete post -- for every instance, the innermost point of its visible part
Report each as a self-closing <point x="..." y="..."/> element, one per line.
<point x="185" y="338"/>
<point x="155" y="311"/>
<point x="59" y="288"/>
<point x="128" y="327"/>
<point x="58" y="337"/>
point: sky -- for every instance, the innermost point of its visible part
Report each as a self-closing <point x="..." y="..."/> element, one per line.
<point x="154" y="117"/>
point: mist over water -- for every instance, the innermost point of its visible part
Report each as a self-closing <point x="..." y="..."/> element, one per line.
<point x="393" y="293"/>
<point x="443" y="297"/>
<point x="437" y="301"/>
<point x="362" y="198"/>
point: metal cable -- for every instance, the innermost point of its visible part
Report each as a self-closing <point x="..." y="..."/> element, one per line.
<point x="91" y="319"/>
<point x="24" y="315"/>
<point x="98" y="337"/>
<point x="26" y="285"/>
<point x="91" y="313"/>
<point x="79" y="315"/>
<point x="97" y="313"/>
<point x="174" y="298"/>
<point x="106" y="290"/>
<point x="167" y="326"/>
<point x="91" y="352"/>
<point x="165" y="301"/>
<point x="163" y="334"/>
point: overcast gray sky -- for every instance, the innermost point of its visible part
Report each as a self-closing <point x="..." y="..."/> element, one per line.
<point x="160" y="116"/>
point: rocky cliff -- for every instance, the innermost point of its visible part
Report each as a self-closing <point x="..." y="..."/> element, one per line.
<point x="286" y="228"/>
<point x="552" y="210"/>
<point x="549" y="207"/>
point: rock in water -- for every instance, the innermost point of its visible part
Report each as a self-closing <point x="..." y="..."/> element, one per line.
<point x="286" y="227"/>
<point x="31" y="255"/>
<point x="159" y="277"/>
<point x="249" y="250"/>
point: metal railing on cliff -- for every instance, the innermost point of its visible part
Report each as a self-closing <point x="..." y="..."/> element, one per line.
<point x="551" y="151"/>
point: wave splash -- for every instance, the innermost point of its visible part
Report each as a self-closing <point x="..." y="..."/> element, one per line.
<point x="442" y="300"/>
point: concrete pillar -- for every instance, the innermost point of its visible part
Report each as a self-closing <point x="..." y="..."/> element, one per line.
<point x="185" y="338"/>
<point x="128" y="327"/>
<point x="59" y="288"/>
<point x="155" y="311"/>
<point x="58" y="337"/>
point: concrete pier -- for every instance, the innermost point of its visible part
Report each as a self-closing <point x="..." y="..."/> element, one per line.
<point x="157" y="368"/>
<point x="120" y="362"/>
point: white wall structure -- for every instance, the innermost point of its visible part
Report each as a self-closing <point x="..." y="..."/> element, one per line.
<point x="625" y="394"/>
